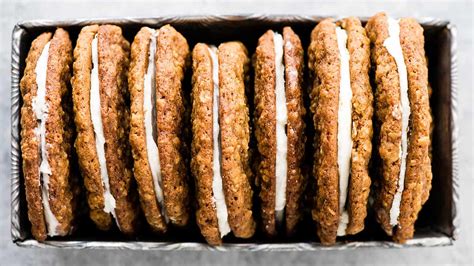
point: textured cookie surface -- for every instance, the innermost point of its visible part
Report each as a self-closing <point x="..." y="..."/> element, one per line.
<point x="172" y="52"/>
<point x="387" y="98"/>
<point x="202" y="145"/>
<point x="235" y="135"/>
<point x="389" y="125"/>
<point x="142" y="173"/>
<point x="324" y="64"/>
<point x="296" y="182"/>
<point x="358" y="46"/>
<point x="30" y="145"/>
<point x="265" y="127"/>
<point x="113" y="69"/>
<point x="58" y="134"/>
<point x="418" y="174"/>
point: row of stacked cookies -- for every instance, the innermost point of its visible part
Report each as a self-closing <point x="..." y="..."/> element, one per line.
<point x="126" y="114"/>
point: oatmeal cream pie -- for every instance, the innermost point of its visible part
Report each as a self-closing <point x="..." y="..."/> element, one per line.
<point x="47" y="135"/>
<point x="403" y="122"/>
<point x="220" y="145"/>
<point x="341" y="104"/>
<point x="157" y="67"/>
<point x="279" y="128"/>
<point x="101" y="114"/>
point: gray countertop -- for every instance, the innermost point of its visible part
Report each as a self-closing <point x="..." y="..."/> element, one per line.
<point x="458" y="12"/>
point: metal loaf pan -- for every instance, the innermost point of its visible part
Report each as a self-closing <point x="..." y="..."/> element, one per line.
<point x="438" y="221"/>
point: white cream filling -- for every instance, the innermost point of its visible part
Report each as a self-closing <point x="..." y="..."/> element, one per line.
<point x="149" y="101"/>
<point x="281" y="137"/>
<point x="217" y="190"/>
<point x="392" y="43"/>
<point x="344" y="124"/>
<point x="40" y="107"/>
<point x="96" y="117"/>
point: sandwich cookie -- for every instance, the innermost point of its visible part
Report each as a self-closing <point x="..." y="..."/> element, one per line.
<point x="279" y="128"/>
<point x="403" y="122"/>
<point x="47" y="136"/>
<point x="100" y="96"/>
<point x="158" y="62"/>
<point x="220" y="145"/>
<point x="341" y="103"/>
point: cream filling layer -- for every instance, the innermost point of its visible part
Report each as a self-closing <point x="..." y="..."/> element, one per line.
<point x="217" y="190"/>
<point x="96" y="117"/>
<point x="344" y="124"/>
<point x="281" y="165"/>
<point x="392" y="43"/>
<point x="41" y="109"/>
<point x="151" y="129"/>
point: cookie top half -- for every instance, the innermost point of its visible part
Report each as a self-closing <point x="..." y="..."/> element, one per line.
<point x="358" y="46"/>
<point x="235" y="136"/>
<point x="203" y="155"/>
<point x="171" y="59"/>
